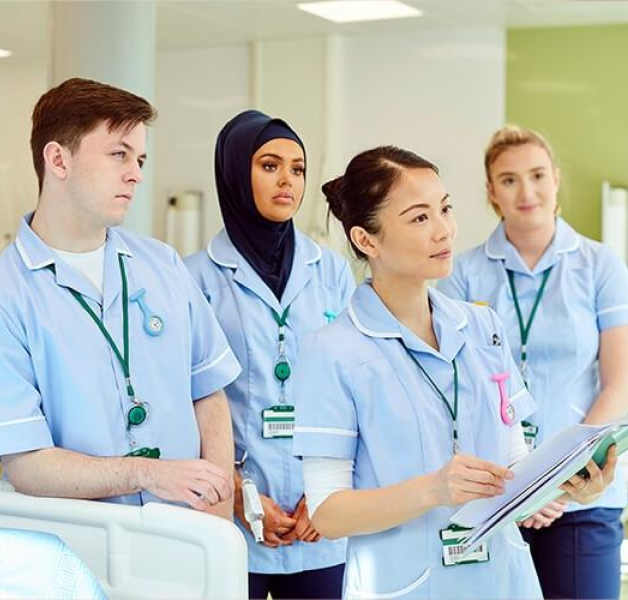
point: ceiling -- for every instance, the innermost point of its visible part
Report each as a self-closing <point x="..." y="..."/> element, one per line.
<point x="25" y="24"/>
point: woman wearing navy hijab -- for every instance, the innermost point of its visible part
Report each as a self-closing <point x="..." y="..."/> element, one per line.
<point x="270" y="285"/>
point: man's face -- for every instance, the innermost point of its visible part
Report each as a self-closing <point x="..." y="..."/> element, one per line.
<point x="104" y="172"/>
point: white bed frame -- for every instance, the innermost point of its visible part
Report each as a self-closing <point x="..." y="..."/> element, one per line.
<point x="152" y="551"/>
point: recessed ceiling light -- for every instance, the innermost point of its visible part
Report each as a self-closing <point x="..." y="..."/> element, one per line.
<point x="351" y="11"/>
<point x="5" y="53"/>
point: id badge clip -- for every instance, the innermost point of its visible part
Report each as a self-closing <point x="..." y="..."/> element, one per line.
<point x="453" y="548"/>
<point x="278" y="421"/>
<point x="530" y="432"/>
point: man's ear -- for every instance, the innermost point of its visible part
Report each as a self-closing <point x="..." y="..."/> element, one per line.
<point x="56" y="160"/>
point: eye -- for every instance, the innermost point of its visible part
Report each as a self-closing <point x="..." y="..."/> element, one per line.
<point x="298" y="170"/>
<point x="141" y="162"/>
<point x="508" y="181"/>
<point x="419" y="218"/>
<point x="539" y="176"/>
<point x="270" y="167"/>
<point x="121" y="154"/>
<point x="447" y="208"/>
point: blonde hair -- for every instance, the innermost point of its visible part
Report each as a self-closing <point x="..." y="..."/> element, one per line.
<point x="511" y="136"/>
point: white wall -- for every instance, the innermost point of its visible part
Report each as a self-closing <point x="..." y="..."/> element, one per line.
<point x="198" y="91"/>
<point x="21" y="83"/>
<point x="439" y="93"/>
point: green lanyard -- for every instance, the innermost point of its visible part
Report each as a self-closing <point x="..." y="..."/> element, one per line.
<point x="137" y="413"/>
<point x="453" y="412"/>
<point x="524" y="329"/>
<point x="282" y="369"/>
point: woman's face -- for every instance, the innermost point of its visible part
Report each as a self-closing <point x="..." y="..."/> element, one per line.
<point x="524" y="187"/>
<point x="417" y="229"/>
<point x="278" y="179"/>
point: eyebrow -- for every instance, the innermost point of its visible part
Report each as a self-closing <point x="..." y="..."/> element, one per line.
<point x="130" y="148"/>
<point x="405" y="210"/>
<point x="504" y="173"/>
<point x="276" y="156"/>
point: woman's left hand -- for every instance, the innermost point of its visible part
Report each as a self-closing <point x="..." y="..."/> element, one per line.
<point x="585" y="490"/>
<point x="545" y="517"/>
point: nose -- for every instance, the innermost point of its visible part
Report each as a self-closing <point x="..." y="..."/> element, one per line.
<point x="527" y="190"/>
<point x="285" y="177"/>
<point x="134" y="175"/>
<point x="443" y="229"/>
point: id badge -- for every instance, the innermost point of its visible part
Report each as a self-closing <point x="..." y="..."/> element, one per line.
<point x="529" y="434"/>
<point x="451" y="538"/>
<point x="278" y="421"/>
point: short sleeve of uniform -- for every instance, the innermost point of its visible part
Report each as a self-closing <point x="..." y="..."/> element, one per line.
<point x="23" y="426"/>
<point x="326" y="421"/>
<point x="518" y="394"/>
<point x="214" y="365"/>
<point x="455" y="286"/>
<point x="611" y="289"/>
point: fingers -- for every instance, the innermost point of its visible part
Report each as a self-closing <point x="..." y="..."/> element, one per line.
<point x="272" y="540"/>
<point x="499" y="472"/>
<point x="553" y="511"/>
<point x="608" y="471"/>
<point x="528" y="523"/>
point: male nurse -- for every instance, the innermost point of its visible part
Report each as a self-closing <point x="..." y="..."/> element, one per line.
<point x="112" y="363"/>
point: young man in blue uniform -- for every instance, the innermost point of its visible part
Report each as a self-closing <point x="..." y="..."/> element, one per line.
<point x="110" y="357"/>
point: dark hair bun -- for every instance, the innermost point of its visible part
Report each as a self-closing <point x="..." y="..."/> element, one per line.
<point x="333" y="194"/>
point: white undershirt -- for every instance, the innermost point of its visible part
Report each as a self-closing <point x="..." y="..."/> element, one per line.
<point x="90" y="264"/>
<point x="324" y="476"/>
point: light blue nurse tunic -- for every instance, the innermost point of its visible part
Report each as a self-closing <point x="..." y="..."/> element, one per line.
<point x="63" y="386"/>
<point x="318" y="289"/>
<point x="364" y="399"/>
<point x="586" y="293"/>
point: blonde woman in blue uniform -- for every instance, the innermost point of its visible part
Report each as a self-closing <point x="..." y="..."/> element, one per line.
<point x="270" y="285"/>
<point x="564" y="301"/>
<point x="400" y="417"/>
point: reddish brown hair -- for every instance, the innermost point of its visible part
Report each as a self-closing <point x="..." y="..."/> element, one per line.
<point x="76" y="107"/>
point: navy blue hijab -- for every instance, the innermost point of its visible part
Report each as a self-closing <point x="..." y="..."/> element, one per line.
<point x="267" y="246"/>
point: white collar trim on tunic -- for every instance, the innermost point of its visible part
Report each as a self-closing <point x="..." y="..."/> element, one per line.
<point x="221" y="244"/>
<point x="39" y="246"/>
<point x="447" y="306"/>
<point x="567" y="240"/>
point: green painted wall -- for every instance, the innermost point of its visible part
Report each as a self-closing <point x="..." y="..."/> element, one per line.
<point x="571" y="84"/>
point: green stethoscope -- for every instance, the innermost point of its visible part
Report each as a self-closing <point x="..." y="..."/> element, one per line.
<point x="282" y="369"/>
<point x="138" y="412"/>
<point x="524" y="328"/>
<point x="451" y="410"/>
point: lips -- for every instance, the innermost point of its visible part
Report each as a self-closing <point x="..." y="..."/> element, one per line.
<point x="283" y="196"/>
<point x="128" y="197"/>
<point x="442" y="254"/>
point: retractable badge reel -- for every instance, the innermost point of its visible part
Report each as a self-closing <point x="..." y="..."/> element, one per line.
<point x="278" y="421"/>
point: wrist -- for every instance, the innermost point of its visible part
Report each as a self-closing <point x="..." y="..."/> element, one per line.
<point x="426" y="487"/>
<point x="141" y="473"/>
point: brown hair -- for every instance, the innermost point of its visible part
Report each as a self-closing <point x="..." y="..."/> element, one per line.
<point x="76" y="107"/>
<point x="356" y="197"/>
